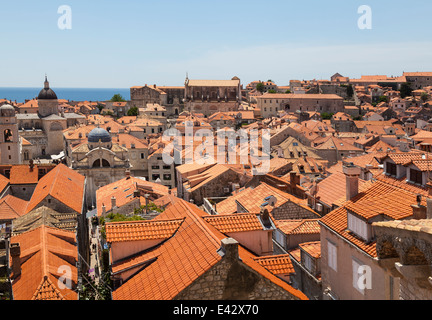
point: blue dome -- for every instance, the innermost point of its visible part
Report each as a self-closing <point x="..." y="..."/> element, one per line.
<point x="99" y="134"/>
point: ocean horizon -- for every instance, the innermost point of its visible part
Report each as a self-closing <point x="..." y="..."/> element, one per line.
<point x="20" y="94"/>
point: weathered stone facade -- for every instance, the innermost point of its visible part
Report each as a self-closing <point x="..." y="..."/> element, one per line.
<point x="292" y="210"/>
<point x="404" y="249"/>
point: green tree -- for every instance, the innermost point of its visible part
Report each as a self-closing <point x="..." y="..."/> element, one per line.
<point x="382" y="99"/>
<point x="260" y="87"/>
<point x="326" y="115"/>
<point x="288" y="91"/>
<point x="405" y="90"/>
<point x="424" y="97"/>
<point x="133" y="111"/>
<point x="117" y="98"/>
<point x="271" y="91"/>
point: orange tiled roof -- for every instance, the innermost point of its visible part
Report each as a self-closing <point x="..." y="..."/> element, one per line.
<point x="22" y="174"/>
<point x="386" y="197"/>
<point x="12" y="207"/>
<point x="251" y="199"/>
<point x="312" y="248"/>
<point x="178" y="262"/>
<point x="277" y="264"/>
<point x="43" y="252"/>
<point x="4" y="182"/>
<point x="63" y="184"/>
<point x="300" y="226"/>
<point x="141" y="230"/>
<point x="123" y="191"/>
<point x="235" y="222"/>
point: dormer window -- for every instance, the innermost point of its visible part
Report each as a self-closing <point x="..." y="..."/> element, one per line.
<point x="358" y="226"/>
<point x="416" y="176"/>
<point x="391" y="168"/>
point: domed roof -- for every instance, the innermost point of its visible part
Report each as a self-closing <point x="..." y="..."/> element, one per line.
<point x="7" y="110"/>
<point x="47" y="93"/>
<point x="99" y="134"/>
<point x="7" y="107"/>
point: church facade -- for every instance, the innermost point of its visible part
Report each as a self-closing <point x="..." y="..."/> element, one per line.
<point x="42" y="131"/>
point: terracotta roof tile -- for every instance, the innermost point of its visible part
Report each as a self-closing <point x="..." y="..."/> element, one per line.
<point x="303" y="226"/>
<point x="312" y="248"/>
<point x="235" y="222"/>
<point x="63" y="184"/>
<point x="22" y="174"/>
<point x="141" y="230"/>
<point x="43" y="251"/>
<point x="277" y="264"/>
<point x="179" y="261"/>
<point x="12" y="207"/>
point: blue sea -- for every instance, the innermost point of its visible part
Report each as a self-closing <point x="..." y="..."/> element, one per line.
<point x="71" y="94"/>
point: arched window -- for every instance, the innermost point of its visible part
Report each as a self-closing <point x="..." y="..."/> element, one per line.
<point x="97" y="164"/>
<point x="8" y="135"/>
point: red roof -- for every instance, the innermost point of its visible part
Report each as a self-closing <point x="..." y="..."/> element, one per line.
<point x="63" y="184"/>
<point x="23" y="174"/>
<point x="12" y="207"/>
<point x="179" y="261"/>
<point x="44" y="252"/>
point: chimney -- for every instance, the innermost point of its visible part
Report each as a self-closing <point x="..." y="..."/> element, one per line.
<point x="265" y="218"/>
<point x="419" y="211"/>
<point x="429" y="208"/>
<point x="136" y="193"/>
<point x="127" y="173"/>
<point x="15" y="252"/>
<point x="103" y="210"/>
<point x="113" y="202"/>
<point x="31" y="165"/>
<point x="229" y="247"/>
<point x="352" y="174"/>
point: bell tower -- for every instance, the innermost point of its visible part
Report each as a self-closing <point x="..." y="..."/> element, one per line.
<point x="9" y="138"/>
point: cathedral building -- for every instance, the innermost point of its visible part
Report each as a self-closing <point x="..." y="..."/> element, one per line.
<point x="42" y="131"/>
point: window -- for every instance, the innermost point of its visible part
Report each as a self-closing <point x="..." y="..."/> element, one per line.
<point x="155" y="167"/>
<point x="155" y="176"/>
<point x="332" y="255"/>
<point x="142" y="155"/>
<point x="391" y="168"/>
<point x="416" y="176"/>
<point x="167" y="177"/>
<point x="358" y="226"/>
<point x="167" y="167"/>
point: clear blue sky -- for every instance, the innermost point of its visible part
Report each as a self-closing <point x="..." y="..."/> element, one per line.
<point x="118" y="44"/>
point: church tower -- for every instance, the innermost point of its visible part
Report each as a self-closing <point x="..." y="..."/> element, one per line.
<point x="47" y="101"/>
<point x="10" y="152"/>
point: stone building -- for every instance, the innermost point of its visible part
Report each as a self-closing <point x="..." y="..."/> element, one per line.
<point x="43" y="130"/>
<point x="210" y="96"/>
<point x="10" y="141"/>
<point x="404" y="252"/>
<point x="100" y="160"/>
<point x="271" y="104"/>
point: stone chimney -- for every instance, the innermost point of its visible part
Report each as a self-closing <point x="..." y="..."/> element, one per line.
<point x="127" y="173"/>
<point x="265" y="218"/>
<point x="31" y="165"/>
<point x="113" y="202"/>
<point x="15" y="252"/>
<point x="136" y="193"/>
<point x="429" y="208"/>
<point x="103" y="210"/>
<point x="352" y="174"/>
<point x="419" y="211"/>
<point x="230" y="248"/>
